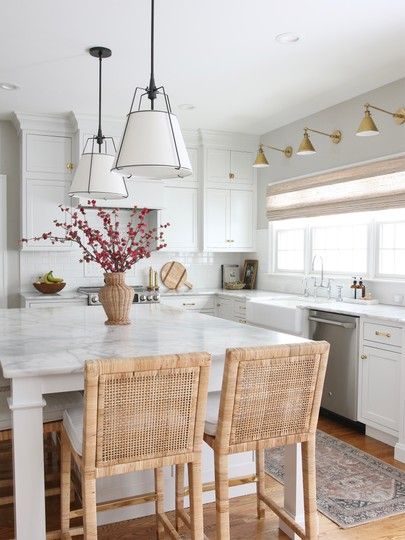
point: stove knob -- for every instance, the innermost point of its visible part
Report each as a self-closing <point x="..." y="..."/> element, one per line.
<point x="142" y="298"/>
<point x="149" y="298"/>
<point x="156" y="297"/>
<point x="94" y="299"/>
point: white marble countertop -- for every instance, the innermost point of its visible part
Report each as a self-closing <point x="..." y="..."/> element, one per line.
<point x="63" y="295"/>
<point x="242" y="294"/>
<point x="54" y="341"/>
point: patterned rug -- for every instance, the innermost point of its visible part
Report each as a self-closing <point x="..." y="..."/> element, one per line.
<point x="352" y="487"/>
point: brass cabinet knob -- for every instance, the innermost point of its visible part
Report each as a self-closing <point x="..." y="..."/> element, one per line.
<point x="70" y="166"/>
<point x="218" y="305"/>
<point x="231" y="176"/>
<point x="363" y="356"/>
<point x="383" y="334"/>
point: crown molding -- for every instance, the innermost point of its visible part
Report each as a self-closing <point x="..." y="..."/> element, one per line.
<point x="56" y="123"/>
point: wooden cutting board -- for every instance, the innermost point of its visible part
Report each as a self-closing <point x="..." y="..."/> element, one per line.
<point x="173" y="275"/>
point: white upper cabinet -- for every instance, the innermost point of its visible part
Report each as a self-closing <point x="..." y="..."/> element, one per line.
<point x="48" y="154"/>
<point x="217" y="211"/>
<point x="181" y="211"/>
<point x="241" y="219"/>
<point x="229" y="166"/>
<point x="241" y="167"/>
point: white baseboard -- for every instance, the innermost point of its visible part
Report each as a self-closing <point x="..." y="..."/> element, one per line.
<point x="381" y="436"/>
<point x="399" y="452"/>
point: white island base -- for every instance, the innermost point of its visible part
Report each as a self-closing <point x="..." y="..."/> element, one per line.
<point x="43" y="351"/>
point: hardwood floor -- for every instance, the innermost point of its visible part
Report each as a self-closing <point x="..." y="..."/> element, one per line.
<point x="244" y="524"/>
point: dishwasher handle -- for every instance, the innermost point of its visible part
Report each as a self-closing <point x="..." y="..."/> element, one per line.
<point x="347" y="325"/>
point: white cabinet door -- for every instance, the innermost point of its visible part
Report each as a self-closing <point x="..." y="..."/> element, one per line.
<point x="218" y="165"/>
<point x="48" y="154"/>
<point x="380" y="378"/>
<point x="241" y="167"/>
<point x="241" y="219"/>
<point x="41" y="208"/>
<point x="182" y="213"/>
<point x="3" y="241"/>
<point x="224" y="308"/>
<point x="217" y="212"/>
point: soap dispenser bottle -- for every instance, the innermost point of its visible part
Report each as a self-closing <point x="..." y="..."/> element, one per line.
<point x="354" y="286"/>
<point x="362" y="287"/>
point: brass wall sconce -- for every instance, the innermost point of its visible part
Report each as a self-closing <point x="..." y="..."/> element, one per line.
<point x="261" y="160"/>
<point x="367" y="127"/>
<point x="306" y="147"/>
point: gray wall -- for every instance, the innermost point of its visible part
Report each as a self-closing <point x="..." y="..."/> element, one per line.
<point x="346" y="116"/>
<point x="9" y="165"/>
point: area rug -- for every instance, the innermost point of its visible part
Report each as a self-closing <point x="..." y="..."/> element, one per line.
<point x="353" y="487"/>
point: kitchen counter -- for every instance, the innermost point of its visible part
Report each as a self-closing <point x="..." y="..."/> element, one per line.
<point x="44" y="352"/>
<point x="63" y="295"/>
<point x="52" y="341"/>
<point x="243" y="294"/>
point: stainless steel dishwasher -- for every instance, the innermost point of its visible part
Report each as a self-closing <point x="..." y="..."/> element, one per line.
<point x="342" y="332"/>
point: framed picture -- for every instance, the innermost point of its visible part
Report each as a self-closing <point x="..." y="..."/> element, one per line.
<point x="229" y="273"/>
<point x="250" y="273"/>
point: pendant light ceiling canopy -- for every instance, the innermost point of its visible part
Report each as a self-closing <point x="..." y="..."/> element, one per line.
<point x="93" y="177"/>
<point x="152" y="145"/>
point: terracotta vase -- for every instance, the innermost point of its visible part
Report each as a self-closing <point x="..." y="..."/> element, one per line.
<point x="116" y="298"/>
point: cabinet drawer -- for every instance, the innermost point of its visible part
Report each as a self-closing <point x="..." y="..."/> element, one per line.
<point x="189" y="302"/>
<point x="239" y="308"/>
<point x="380" y="333"/>
<point x="241" y="319"/>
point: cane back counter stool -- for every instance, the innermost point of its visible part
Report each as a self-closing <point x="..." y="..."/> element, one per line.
<point x="270" y="397"/>
<point x="139" y="413"/>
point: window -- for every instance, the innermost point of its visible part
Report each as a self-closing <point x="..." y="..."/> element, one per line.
<point x="367" y="244"/>
<point x="391" y="244"/>
<point x="290" y="250"/>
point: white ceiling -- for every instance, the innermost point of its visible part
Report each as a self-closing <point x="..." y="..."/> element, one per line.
<point x="219" y="55"/>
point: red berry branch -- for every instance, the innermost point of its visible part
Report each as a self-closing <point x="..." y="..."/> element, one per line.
<point x="108" y="246"/>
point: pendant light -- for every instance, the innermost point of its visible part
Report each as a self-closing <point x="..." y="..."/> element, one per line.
<point x="152" y="145"/>
<point x="94" y="178"/>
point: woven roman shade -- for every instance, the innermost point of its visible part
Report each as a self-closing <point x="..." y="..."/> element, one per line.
<point x="374" y="186"/>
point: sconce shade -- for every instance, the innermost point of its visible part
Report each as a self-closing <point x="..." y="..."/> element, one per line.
<point x="148" y="147"/>
<point x="367" y="127"/>
<point x="94" y="178"/>
<point x="306" y="147"/>
<point x="261" y="160"/>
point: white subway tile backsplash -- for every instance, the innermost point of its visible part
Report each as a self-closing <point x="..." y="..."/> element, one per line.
<point x="203" y="269"/>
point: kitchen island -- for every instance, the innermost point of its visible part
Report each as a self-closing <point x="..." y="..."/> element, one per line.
<point x="44" y="351"/>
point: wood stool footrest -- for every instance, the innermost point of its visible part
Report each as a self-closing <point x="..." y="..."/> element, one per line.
<point x="168" y="526"/>
<point x="283" y="514"/>
<point x="118" y="503"/>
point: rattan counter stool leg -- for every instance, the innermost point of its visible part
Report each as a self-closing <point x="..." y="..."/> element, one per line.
<point x="309" y="485"/>
<point x="159" y="503"/>
<point x="66" y="463"/>
<point x="196" y="504"/>
<point x="260" y="484"/>
<point x="89" y="505"/>
<point x="222" y="495"/>
<point x="179" y="494"/>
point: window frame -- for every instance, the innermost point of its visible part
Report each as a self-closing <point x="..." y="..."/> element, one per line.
<point x="374" y="224"/>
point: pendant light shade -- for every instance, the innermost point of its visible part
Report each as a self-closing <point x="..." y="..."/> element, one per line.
<point x="94" y="178"/>
<point x="306" y="147"/>
<point x="367" y="127"/>
<point x="153" y="146"/>
<point x="261" y="160"/>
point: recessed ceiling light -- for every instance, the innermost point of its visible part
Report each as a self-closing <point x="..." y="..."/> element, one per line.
<point x="8" y="86"/>
<point x="287" y="37"/>
<point x="186" y="106"/>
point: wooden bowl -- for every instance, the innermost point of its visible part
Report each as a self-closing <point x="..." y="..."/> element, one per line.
<point x="234" y="286"/>
<point x="49" y="288"/>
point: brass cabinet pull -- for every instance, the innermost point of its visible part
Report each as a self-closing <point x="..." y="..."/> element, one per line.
<point x="188" y="304"/>
<point x="231" y="176"/>
<point x="363" y="356"/>
<point x="384" y="334"/>
<point x="218" y="305"/>
<point x="70" y="166"/>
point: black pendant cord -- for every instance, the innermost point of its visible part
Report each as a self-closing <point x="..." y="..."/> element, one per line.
<point x="152" y="90"/>
<point x="100" y="137"/>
